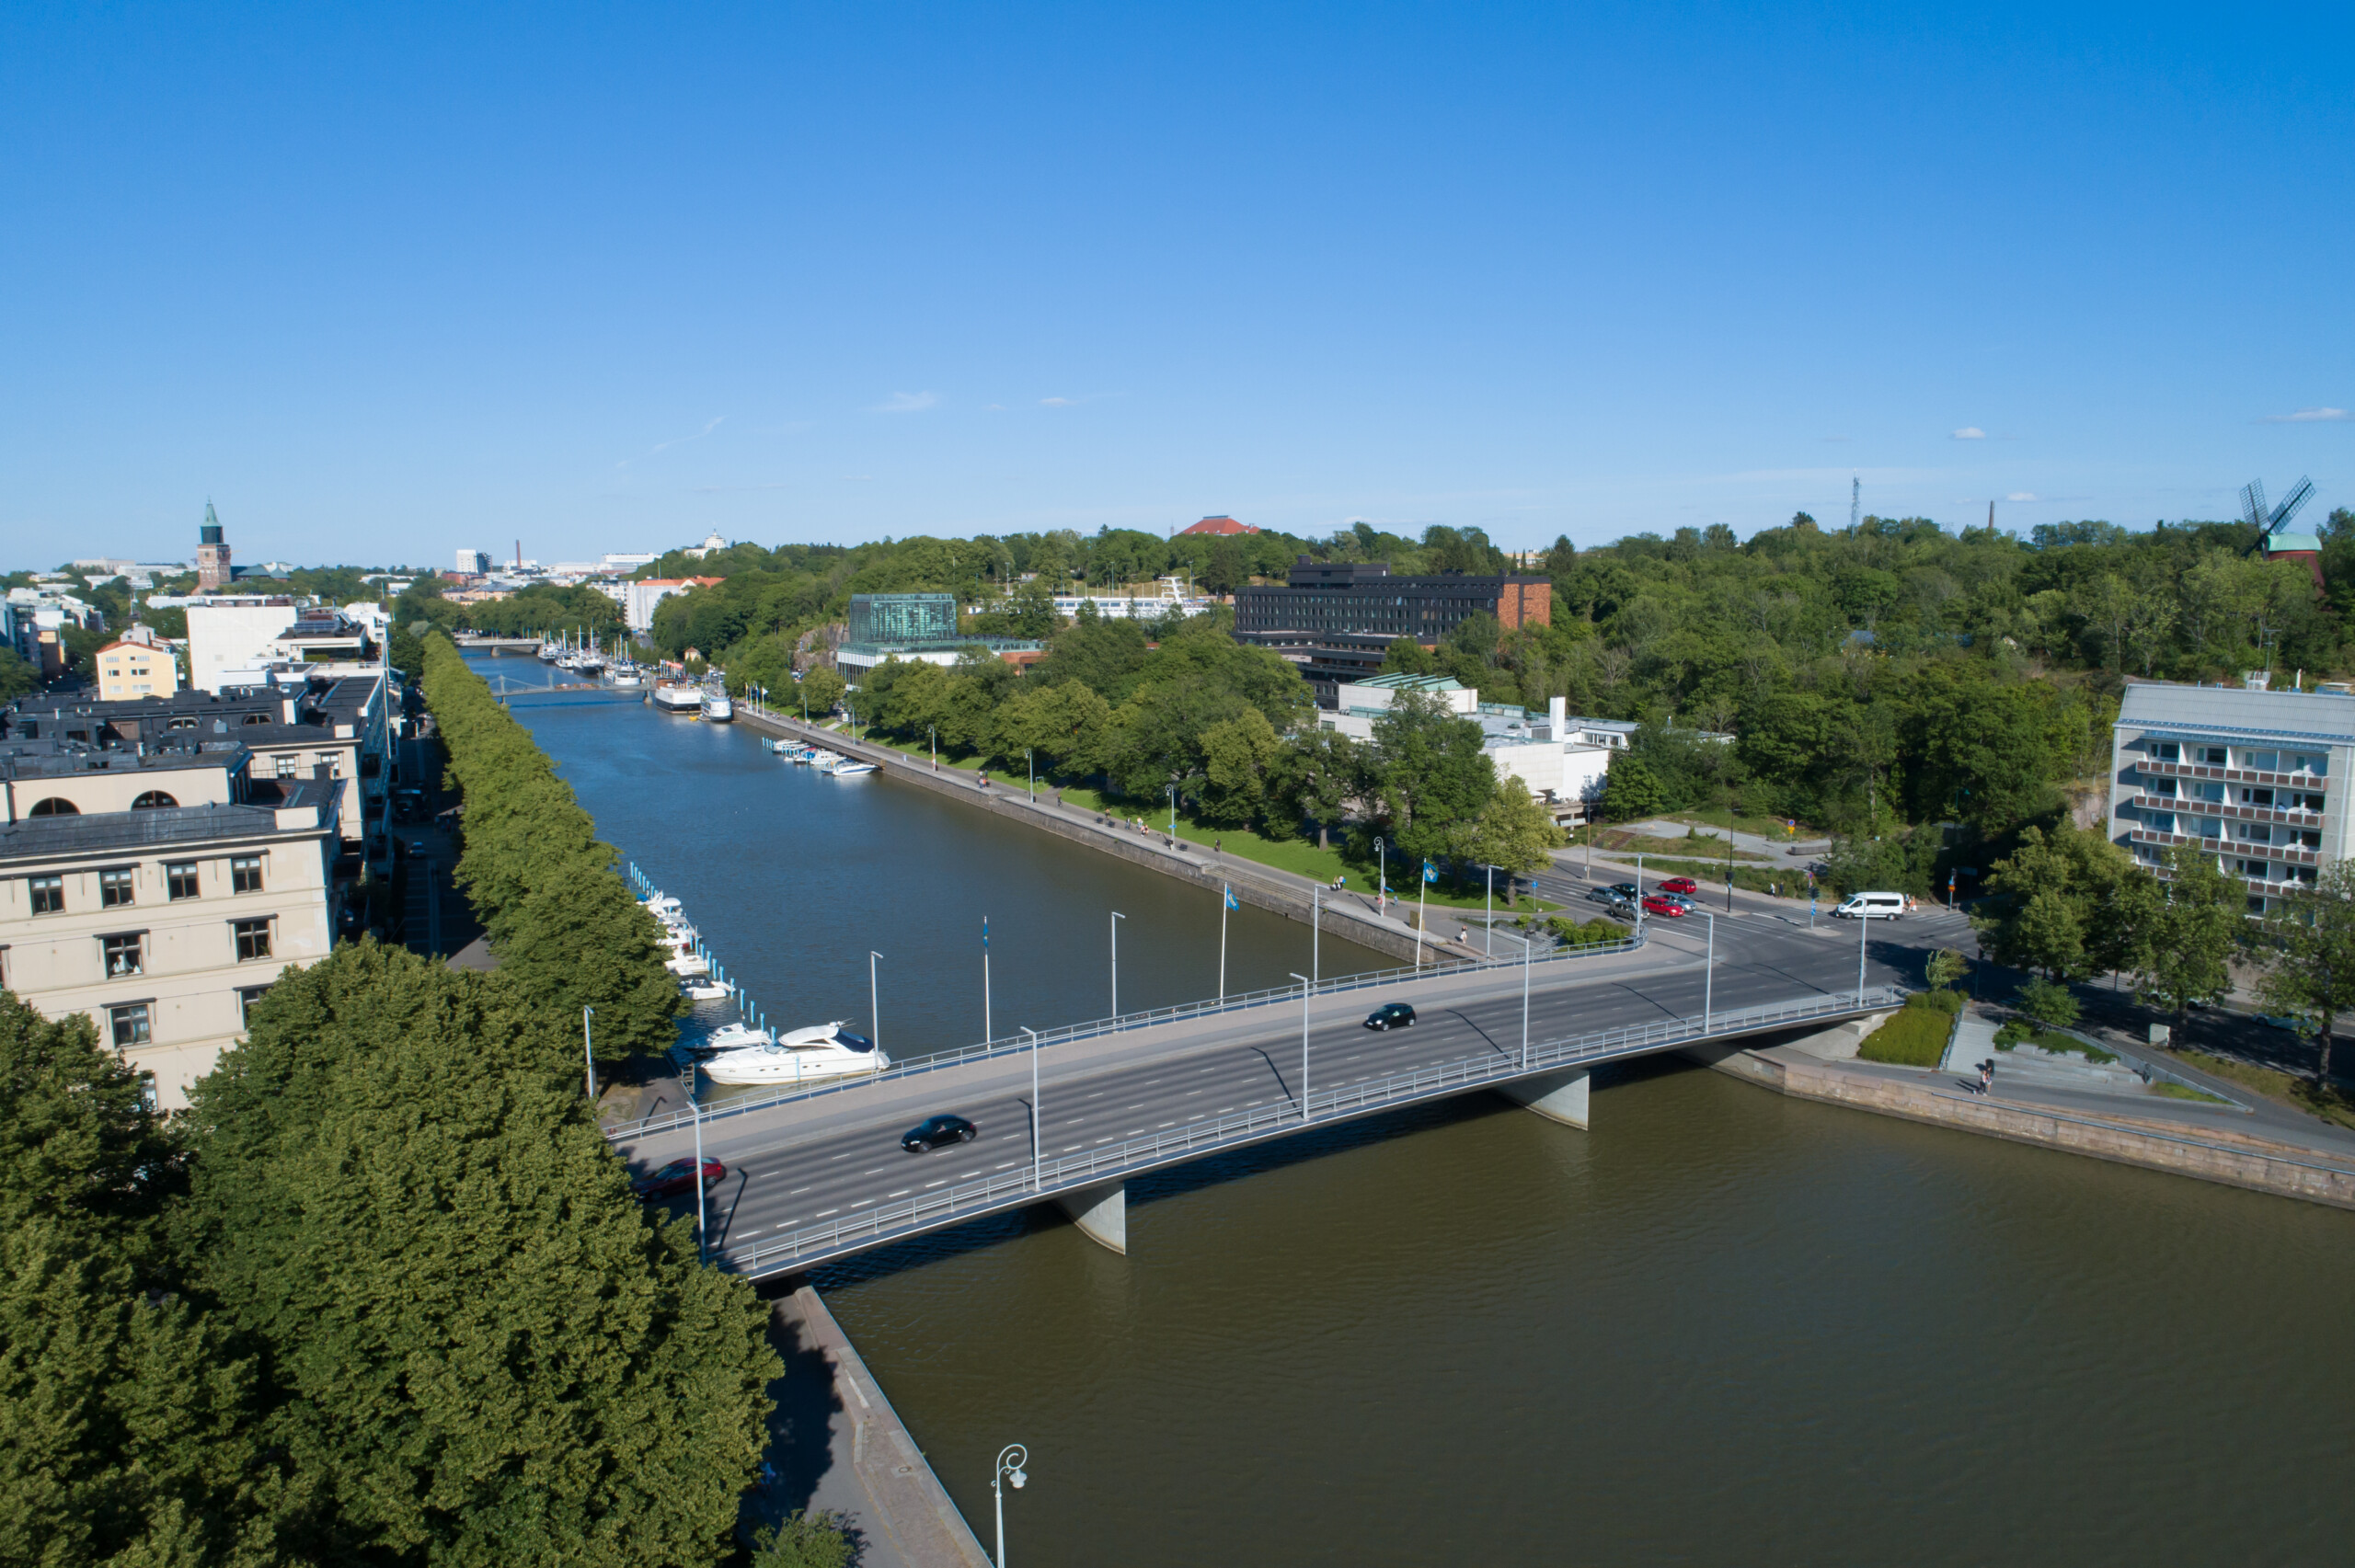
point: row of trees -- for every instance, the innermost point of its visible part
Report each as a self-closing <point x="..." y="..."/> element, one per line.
<point x="567" y="932"/>
<point x="381" y="1295"/>
<point x="2069" y="905"/>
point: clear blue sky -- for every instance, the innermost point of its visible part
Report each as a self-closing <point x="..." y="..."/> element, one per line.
<point x="382" y="282"/>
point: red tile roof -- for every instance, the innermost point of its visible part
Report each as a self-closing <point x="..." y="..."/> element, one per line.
<point x="1220" y="525"/>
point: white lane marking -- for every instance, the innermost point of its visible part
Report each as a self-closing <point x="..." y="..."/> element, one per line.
<point x="1132" y="1132"/>
<point x="1251" y="1101"/>
<point x="929" y="1186"/>
<point x="1099" y="1094"/>
<point x="844" y="1155"/>
<point x="1138" y="1106"/>
<point x="1074" y="1148"/>
<point x="1191" y="1092"/>
<point x="1007" y="1165"/>
<point x="969" y="1176"/>
<point x="862" y="1203"/>
<point x="824" y="1212"/>
<point x="1169" y="1123"/>
<point x="797" y="1192"/>
<point x="1224" y="1109"/>
<point x="1210" y="1070"/>
<point x="1103" y="1141"/>
<point x="902" y="1193"/>
<point x="876" y="1172"/>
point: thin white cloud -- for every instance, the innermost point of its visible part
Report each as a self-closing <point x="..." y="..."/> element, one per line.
<point x="1970" y="433"/>
<point x="2309" y="417"/>
<point x="682" y="441"/>
<point x="1058" y="402"/>
<point x="2021" y="495"/>
<point x="907" y="403"/>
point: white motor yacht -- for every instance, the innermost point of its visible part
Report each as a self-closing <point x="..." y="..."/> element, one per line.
<point x="719" y="707"/>
<point x="703" y="991"/>
<point x="821" y="759"/>
<point x="663" y="906"/>
<point x="687" y="964"/>
<point x="850" y="767"/>
<point x="805" y="1056"/>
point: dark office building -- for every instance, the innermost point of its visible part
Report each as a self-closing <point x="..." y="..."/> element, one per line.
<point x="1337" y="620"/>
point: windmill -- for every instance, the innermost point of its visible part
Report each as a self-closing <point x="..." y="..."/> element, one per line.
<point x="2269" y="523"/>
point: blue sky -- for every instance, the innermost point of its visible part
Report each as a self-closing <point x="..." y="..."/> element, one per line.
<point x="382" y="283"/>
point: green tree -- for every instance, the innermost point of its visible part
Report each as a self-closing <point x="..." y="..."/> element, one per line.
<point x="1943" y="969"/>
<point x="2194" y="934"/>
<point x="488" y="1350"/>
<point x="2069" y="903"/>
<point x="1238" y="757"/>
<point x="2307" y="946"/>
<point x="2048" y="1002"/>
<point x="1631" y="791"/>
<point x="1513" y="833"/>
<point x="1431" y="773"/>
<point x="822" y="689"/>
<point x="806" y="1540"/>
<point x="1316" y="776"/>
<point x="17" y="677"/>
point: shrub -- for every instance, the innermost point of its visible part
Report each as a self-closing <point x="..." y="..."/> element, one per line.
<point x="1946" y="1001"/>
<point x="1912" y="1036"/>
<point x="2047" y="1003"/>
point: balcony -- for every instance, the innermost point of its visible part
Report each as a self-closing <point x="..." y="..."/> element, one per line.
<point x="2288" y="855"/>
<point x="2157" y="768"/>
<point x="2309" y="820"/>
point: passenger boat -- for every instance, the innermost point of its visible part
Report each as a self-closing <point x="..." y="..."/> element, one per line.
<point x="804" y="1055"/>
<point x="717" y="707"/>
<point x="677" y="699"/>
<point x="820" y="758"/>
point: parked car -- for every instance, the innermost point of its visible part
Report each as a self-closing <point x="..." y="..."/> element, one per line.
<point x="409" y="804"/>
<point x="934" y="1131"/>
<point x="1680" y="884"/>
<point x="678" y="1176"/>
<point x="1391" y="1016"/>
<point x="1656" y="905"/>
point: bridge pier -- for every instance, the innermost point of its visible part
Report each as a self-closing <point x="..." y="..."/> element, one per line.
<point x="1101" y="1214"/>
<point x="1558" y="1096"/>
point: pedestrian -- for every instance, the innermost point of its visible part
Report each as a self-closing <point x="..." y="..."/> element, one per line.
<point x="1218" y="846"/>
<point x="1986" y="1075"/>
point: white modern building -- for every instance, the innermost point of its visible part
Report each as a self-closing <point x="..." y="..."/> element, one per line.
<point x="256" y="639"/>
<point x="473" y="563"/>
<point x="639" y="598"/>
<point x="2244" y="772"/>
<point x="1559" y="759"/>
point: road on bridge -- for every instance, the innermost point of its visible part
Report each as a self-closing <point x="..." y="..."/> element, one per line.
<point x="820" y="1160"/>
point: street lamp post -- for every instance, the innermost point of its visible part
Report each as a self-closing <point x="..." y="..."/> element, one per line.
<point x="1380" y="877"/>
<point x="1306" y="985"/>
<point x="933" y="740"/>
<point x="1708" y="966"/>
<point x="1010" y="1460"/>
<point x="1034" y="772"/>
<point x="1864" y="924"/>
<point x="1526" y="948"/>
<point x="1038" y="1128"/>
<point x="1173" y="816"/>
<point x="1117" y="917"/>
<point x="874" y="1003"/>
<point x="589" y="1052"/>
<point x="1488" y="943"/>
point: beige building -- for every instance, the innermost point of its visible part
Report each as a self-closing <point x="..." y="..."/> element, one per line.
<point x="129" y="669"/>
<point x="159" y="892"/>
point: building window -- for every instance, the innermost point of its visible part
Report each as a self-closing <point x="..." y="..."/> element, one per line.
<point x="153" y="800"/>
<point x="286" y="766"/>
<point x="48" y="893"/>
<point x="55" y="805"/>
<point x="116" y="888"/>
<point x="333" y="763"/>
<point x="247" y="997"/>
<point x="123" y="953"/>
<point x="2264" y="762"/>
<point x="2308" y="763"/>
<point x="245" y="873"/>
<point x="179" y="880"/>
<point x="129" y="1024"/>
<point x="2212" y="756"/>
<point x="253" y="938"/>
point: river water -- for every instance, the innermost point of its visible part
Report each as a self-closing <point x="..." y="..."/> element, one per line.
<point x="1722" y="1327"/>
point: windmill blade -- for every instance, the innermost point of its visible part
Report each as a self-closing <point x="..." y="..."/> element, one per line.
<point x="2281" y="514"/>
<point x="2252" y="504"/>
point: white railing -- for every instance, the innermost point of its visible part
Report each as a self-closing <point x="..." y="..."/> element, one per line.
<point x="812" y="1244"/>
<point x="1123" y="1024"/>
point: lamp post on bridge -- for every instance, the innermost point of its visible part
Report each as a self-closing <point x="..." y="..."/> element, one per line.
<point x="1037" y="1127"/>
<point x="1864" y="924"/>
<point x="1033" y="763"/>
<point x="1010" y="1460"/>
<point x="1526" y="947"/>
<point x="1117" y="917"/>
<point x="589" y="1053"/>
<point x="1708" y="966"/>
<point x="1306" y="985"/>
<point x="874" y="1003"/>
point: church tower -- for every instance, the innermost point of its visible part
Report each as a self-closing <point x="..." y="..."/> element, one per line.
<point x="211" y="554"/>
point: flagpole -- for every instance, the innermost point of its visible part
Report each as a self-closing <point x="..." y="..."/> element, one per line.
<point x="1421" y="903"/>
<point x="1225" y="897"/>
<point x="988" y="1033"/>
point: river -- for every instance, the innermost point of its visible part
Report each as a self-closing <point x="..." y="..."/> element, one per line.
<point x="1722" y="1327"/>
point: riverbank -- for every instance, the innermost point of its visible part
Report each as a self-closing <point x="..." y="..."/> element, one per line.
<point x="2179" y="1138"/>
<point x="1347" y="915"/>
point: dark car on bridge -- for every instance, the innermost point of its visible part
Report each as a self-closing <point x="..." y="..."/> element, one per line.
<point x="1391" y="1016"/>
<point x="1624" y="889"/>
<point x="1680" y="884"/>
<point x="678" y="1176"/>
<point x="1610" y="895"/>
<point x="1656" y="905"/>
<point x="934" y="1131"/>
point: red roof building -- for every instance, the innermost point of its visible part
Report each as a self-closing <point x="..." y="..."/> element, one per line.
<point x="1219" y="525"/>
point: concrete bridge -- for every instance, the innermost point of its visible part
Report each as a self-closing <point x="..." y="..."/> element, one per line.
<point x="502" y="644"/>
<point x="820" y="1176"/>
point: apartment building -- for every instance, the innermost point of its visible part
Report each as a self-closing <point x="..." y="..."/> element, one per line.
<point x="136" y="667"/>
<point x="1337" y="620"/>
<point x="245" y="639"/>
<point x="2256" y="777"/>
<point x="159" y="890"/>
<point x="338" y="728"/>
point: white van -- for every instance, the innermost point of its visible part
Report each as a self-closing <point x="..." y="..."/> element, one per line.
<point x="1873" y="906"/>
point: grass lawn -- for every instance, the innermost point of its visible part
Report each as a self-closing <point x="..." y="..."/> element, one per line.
<point x="919" y="750"/>
<point x="1765" y="827"/>
<point x="2050" y="1040"/>
<point x="1913" y="1037"/>
<point x="1620" y="840"/>
<point x="2288" y="1089"/>
<point x="2185" y="1092"/>
<point x="1299" y="856"/>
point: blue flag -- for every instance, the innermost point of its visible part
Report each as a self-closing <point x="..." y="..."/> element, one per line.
<point x="1230" y="897"/>
<point x="985" y="934"/>
<point x="1430" y="873"/>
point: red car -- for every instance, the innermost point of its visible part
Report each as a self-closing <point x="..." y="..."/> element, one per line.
<point x="1680" y="884"/>
<point x="678" y="1176"/>
<point x="1656" y="905"/>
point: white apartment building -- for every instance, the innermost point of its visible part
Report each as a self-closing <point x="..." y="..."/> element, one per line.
<point x="2245" y="772"/>
<point x="159" y="891"/>
<point x="1561" y="759"/>
<point x="250" y="639"/>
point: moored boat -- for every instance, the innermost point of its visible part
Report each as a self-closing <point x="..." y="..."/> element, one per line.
<point x="804" y="1055"/>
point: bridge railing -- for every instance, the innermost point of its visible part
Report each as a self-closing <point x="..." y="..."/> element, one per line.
<point x="1125" y="1022"/>
<point x="815" y="1243"/>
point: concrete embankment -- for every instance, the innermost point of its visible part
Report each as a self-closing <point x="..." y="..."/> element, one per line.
<point x="846" y="1452"/>
<point x="1257" y="885"/>
<point x="2211" y="1154"/>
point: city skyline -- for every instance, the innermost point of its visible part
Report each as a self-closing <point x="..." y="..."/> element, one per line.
<point x="390" y="288"/>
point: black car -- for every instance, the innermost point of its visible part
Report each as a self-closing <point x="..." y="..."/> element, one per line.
<point x="1624" y="889"/>
<point x="408" y="805"/>
<point x="678" y="1176"/>
<point x="936" y="1130"/>
<point x="1390" y="1016"/>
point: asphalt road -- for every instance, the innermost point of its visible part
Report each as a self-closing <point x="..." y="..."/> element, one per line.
<point x="817" y="1160"/>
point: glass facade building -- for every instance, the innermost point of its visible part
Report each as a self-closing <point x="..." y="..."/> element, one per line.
<point x="902" y="617"/>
